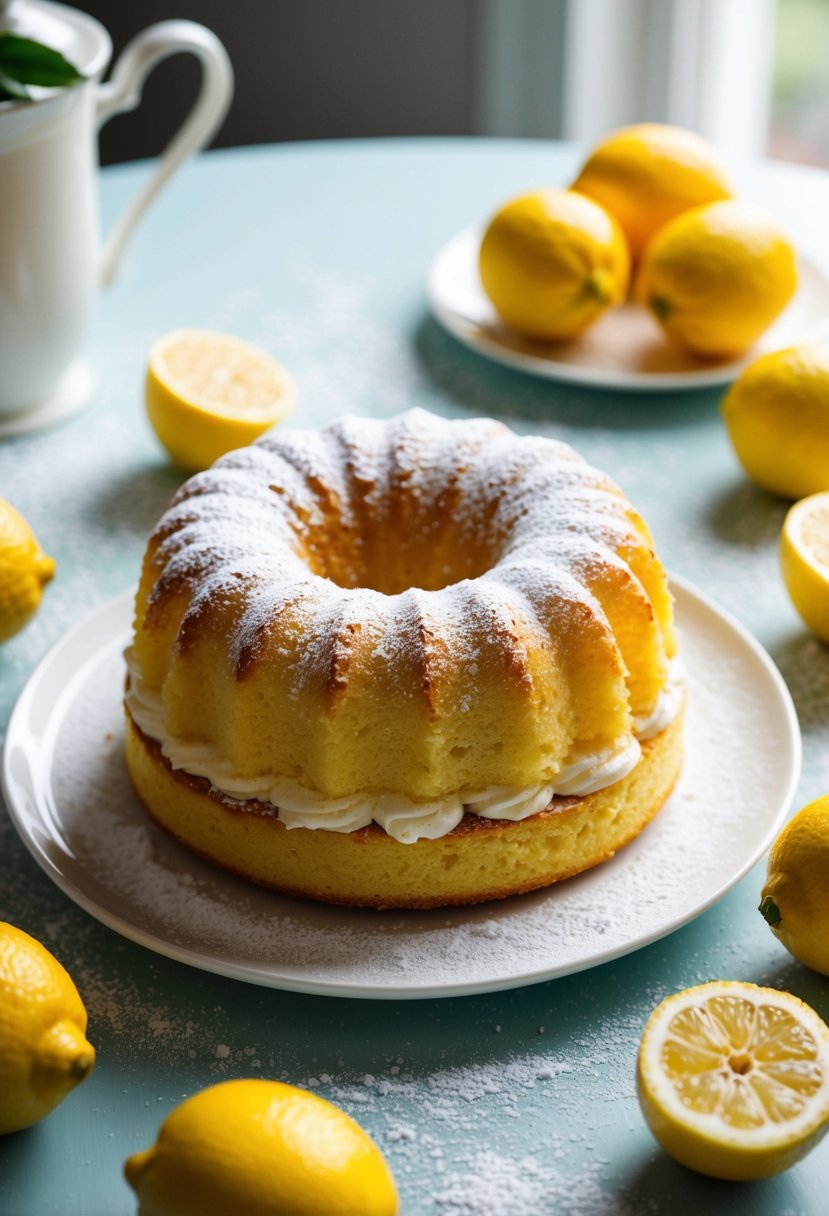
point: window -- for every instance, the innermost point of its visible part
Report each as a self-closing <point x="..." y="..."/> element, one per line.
<point x="799" y="126"/>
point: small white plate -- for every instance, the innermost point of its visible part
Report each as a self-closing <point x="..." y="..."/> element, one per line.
<point x="70" y="798"/>
<point x="625" y="349"/>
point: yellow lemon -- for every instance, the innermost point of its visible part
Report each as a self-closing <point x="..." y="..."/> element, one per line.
<point x="795" y="899"/>
<point x="716" y="277"/>
<point x="43" y="1048"/>
<point x="777" y="415"/>
<point x="552" y="262"/>
<point x="261" y="1148"/>
<point x="804" y="561"/>
<point x="207" y="393"/>
<point x="24" y="571"/>
<point x="647" y="174"/>
<point x="733" y="1080"/>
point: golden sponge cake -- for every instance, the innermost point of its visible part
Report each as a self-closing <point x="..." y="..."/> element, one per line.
<point x="406" y="640"/>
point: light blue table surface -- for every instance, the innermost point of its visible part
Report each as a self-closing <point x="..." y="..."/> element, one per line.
<point x="512" y="1104"/>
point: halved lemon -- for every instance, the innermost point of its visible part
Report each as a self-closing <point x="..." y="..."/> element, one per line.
<point x="804" y="560"/>
<point x="733" y="1079"/>
<point x="207" y="393"/>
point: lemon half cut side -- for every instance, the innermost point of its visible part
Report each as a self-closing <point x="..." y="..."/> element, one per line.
<point x="207" y="393"/>
<point x="733" y="1079"/>
<point x="804" y="561"/>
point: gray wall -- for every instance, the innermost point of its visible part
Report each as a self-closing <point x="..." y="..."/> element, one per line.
<point x="310" y="69"/>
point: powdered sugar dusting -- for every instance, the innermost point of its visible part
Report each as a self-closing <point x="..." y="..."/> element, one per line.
<point x="503" y="1186"/>
<point x="261" y="523"/>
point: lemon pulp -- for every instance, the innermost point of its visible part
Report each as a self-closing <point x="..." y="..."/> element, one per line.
<point x="804" y="561"/>
<point x="207" y="393"/>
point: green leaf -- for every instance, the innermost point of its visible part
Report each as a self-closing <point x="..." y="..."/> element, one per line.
<point x="11" y="89"/>
<point x="28" y="62"/>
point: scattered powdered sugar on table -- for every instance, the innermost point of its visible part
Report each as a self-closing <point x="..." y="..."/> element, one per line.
<point x="504" y="1186"/>
<point x="497" y="1133"/>
<point x="337" y="350"/>
<point x="486" y="1101"/>
<point x="449" y="1090"/>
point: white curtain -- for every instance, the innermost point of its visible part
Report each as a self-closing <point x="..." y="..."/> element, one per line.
<point x="579" y="68"/>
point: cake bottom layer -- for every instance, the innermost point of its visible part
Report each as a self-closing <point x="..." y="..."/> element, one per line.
<point x="481" y="859"/>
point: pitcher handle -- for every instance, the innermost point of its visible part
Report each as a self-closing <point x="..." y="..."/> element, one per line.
<point x="123" y="92"/>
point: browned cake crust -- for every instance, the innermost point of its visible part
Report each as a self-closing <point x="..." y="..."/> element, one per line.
<point x="481" y="859"/>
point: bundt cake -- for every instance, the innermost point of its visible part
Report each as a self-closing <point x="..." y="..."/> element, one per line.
<point x="403" y="663"/>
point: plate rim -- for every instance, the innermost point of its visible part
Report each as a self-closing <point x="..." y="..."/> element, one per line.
<point x="20" y="815"/>
<point x="576" y="373"/>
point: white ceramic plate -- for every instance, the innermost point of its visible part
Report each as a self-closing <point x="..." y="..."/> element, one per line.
<point x="625" y="349"/>
<point x="70" y="799"/>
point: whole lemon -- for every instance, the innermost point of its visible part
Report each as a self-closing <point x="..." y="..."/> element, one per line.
<point x="43" y="1048"/>
<point x="646" y="174"/>
<point x="777" y="415"/>
<point x="795" y="897"/>
<point x="261" y="1148"/>
<point x="716" y="277"/>
<point x="24" y="571"/>
<point x="552" y="262"/>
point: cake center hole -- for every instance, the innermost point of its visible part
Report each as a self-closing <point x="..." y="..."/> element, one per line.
<point x="392" y="559"/>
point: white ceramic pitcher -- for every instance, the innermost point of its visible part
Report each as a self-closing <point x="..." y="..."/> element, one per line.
<point x="52" y="261"/>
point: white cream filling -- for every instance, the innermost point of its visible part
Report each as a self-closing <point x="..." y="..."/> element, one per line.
<point x="667" y="705"/>
<point x="404" y="819"/>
